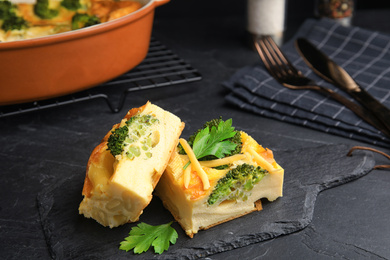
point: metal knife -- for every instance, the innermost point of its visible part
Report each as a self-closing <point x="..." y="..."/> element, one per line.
<point x="323" y="66"/>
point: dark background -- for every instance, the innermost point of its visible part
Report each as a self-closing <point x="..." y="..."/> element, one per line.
<point x="297" y="12"/>
<point x="370" y="4"/>
<point x="42" y="147"/>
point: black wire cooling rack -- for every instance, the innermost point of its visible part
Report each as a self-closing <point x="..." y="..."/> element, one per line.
<point x="160" y="68"/>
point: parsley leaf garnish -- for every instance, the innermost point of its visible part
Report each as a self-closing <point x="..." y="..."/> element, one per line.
<point x="144" y="235"/>
<point x="213" y="142"/>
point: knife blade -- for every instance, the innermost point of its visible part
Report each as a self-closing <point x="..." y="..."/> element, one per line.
<point x="326" y="68"/>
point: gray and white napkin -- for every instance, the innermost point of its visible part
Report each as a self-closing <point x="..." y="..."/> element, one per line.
<point x="364" y="54"/>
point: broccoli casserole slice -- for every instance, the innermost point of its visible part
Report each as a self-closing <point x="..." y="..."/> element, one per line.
<point x="228" y="188"/>
<point x="125" y="167"/>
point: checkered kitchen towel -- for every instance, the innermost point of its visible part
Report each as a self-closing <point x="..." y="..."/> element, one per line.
<point x="364" y="54"/>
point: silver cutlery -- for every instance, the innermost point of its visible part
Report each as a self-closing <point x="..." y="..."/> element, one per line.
<point x="326" y="68"/>
<point x="286" y="74"/>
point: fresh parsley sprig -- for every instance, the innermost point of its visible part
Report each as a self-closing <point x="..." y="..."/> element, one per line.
<point x="143" y="236"/>
<point x="214" y="141"/>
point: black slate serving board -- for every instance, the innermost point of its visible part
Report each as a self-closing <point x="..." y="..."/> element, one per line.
<point x="307" y="172"/>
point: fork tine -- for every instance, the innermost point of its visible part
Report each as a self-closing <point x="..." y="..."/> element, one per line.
<point x="274" y="60"/>
<point x="266" y="57"/>
<point x="280" y="54"/>
<point x="270" y="59"/>
<point x="268" y="49"/>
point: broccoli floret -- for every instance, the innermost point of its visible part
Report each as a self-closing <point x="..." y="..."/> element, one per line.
<point x="10" y="21"/>
<point x="83" y="20"/>
<point x="6" y="7"/>
<point x="237" y="184"/>
<point x="42" y="10"/>
<point x="236" y="139"/>
<point x="71" y="4"/>
<point x="133" y="138"/>
<point x="116" y="139"/>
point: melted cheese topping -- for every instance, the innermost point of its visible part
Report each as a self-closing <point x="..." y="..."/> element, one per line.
<point x="189" y="204"/>
<point x="203" y="176"/>
<point x="223" y="161"/>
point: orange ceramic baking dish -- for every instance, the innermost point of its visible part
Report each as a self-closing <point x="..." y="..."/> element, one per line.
<point x="65" y="63"/>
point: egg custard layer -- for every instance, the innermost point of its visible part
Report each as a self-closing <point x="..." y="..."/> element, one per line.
<point x="118" y="188"/>
<point x="197" y="206"/>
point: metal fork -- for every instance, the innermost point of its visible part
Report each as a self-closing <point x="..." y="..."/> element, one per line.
<point x="285" y="73"/>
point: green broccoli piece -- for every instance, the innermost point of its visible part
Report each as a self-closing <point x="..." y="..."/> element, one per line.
<point x="10" y="21"/>
<point x="237" y="184"/>
<point x="116" y="139"/>
<point x="133" y="139"/>
<point x="71" y="4"/>
<point x="83" y="20"/>
<point x="42" y="10"/>
<point x="6" y="7"/>
<point x="236" y="139"/>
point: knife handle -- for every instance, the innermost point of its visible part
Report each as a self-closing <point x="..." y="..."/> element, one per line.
<point x="360" y="111"/>
<point x="377" y="109"/>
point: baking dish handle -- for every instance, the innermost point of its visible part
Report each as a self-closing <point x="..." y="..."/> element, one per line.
<point x="161" y="2"/>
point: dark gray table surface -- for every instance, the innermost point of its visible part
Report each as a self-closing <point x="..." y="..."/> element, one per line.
<point x="350" y="221"/>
